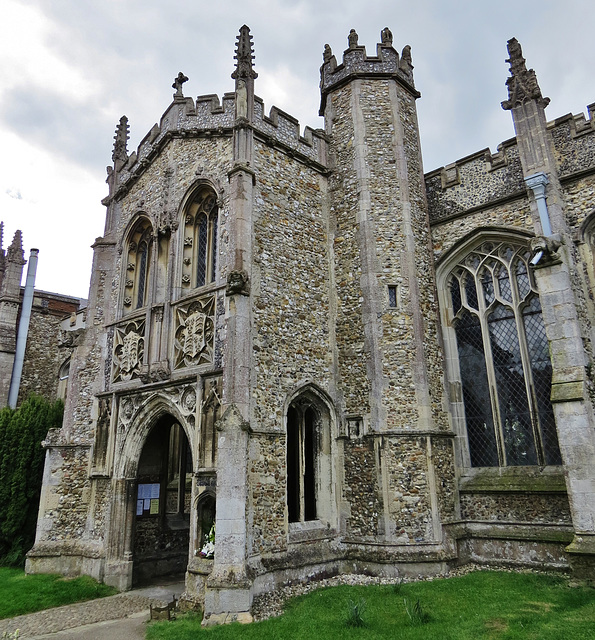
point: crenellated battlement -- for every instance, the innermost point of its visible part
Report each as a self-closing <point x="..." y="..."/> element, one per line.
<point x="282" y="129"/>
<point x="357" y="64"/>
<point x="207" y="116"/>
<point x="485" y="178"/>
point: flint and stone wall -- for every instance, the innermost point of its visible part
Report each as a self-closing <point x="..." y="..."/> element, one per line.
<point x="322" y="224"/>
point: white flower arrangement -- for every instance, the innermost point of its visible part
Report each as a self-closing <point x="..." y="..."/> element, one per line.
<point x="208" y="548"/>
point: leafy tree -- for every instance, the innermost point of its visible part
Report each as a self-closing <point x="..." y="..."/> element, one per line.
<point x="21" y="471"/>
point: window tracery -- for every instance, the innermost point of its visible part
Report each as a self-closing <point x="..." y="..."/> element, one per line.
<point x="303" y="426"/>
<point x="503" y="357"/>
<point x="137" y="266"/>
<point x="199" y="263"/>
<point x="309" y="459"/>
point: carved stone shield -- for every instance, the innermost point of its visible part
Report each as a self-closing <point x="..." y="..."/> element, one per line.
<point x="129" y="354"/>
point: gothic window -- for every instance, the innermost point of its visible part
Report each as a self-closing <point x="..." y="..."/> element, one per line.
<point x="309" y="485"/>
<point x="63" y="380"/>
<point x="211" y="408"/>
<point x="200" y="239"/>
<point x="179" y="472"/>
<point x="205" y="516"/>
<point x="137" y="266"/>
<point x="503" y="358"/>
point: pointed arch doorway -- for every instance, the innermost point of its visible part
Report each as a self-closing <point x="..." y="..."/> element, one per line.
<point x="163" y="503"/>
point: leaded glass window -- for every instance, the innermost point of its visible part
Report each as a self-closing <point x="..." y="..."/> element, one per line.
<point x="503" y="358"/>
<point x="136" y="279"/>
<point x="200" y="239"/>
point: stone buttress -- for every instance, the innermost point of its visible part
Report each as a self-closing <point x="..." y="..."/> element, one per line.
<point x="566" y="322"/>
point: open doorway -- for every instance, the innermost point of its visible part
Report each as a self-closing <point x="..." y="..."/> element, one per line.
<point x="163" y="503"/>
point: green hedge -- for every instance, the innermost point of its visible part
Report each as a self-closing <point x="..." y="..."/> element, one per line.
<point x="21" y="471"/>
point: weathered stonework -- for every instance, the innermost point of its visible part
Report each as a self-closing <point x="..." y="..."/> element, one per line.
<point x="267" y="479"/>
<point x="304" y="348"/>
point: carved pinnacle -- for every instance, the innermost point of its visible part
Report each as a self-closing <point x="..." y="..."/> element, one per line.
<point x="522" y="84"/>
<point x="120" y="152"/>
<point x="244" y="56"/>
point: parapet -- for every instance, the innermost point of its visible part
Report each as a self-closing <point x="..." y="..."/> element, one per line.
<point x="208" y="117"/>
<point x="357" y="64"/>
<point x="485" y="179"/>
<point x="283" y="130"/>
<point x="184" y="117"/>
<point x="574" y="141"/>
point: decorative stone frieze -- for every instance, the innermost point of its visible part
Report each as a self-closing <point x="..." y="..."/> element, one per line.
<point x="182" y="398"/>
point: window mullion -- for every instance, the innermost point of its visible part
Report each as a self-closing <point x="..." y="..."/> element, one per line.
<point x="528" y="376"/>
<point x="526" y="359"/>
<point x="491" y="373"/>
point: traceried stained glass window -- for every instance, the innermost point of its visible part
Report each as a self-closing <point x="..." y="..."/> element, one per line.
<point x="200" y="239"/>
<point x="137" y="266"/>
<point x="503" y="355"/>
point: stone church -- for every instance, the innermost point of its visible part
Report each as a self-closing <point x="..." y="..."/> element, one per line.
<point x="303" y="347"/>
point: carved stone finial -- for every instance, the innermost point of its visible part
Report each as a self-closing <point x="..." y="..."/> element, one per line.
<point x="352" y="39"/>
<point x="14" y="253"/>
<point x="405" y="63"/>
<point x="244" y="56"/>
<point x="120" y="152"/>
<point x="1" y="237"/>
<point x="386" y="37"/>
<point x="177" y="85"/>
<point x="327" y="53"/>
<point x="522" y="84"/>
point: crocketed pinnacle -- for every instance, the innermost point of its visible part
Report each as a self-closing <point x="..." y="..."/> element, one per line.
<point x="244" y="56"/>
<point x="120" y="152"/>
<point x="15" y="251"/>
<point x="522" y="84"/>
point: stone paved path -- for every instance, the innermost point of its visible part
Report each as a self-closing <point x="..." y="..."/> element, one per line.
<point x="128" y="612"/>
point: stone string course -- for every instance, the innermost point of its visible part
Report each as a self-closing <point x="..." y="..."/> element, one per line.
<point x="483" y="178"/>
<point x="326" y="223"/>
<point x="210" y="118"/>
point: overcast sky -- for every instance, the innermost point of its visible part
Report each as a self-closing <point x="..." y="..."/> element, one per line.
<point x="70" y="68"/>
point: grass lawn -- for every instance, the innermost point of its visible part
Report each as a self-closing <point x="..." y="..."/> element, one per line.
<point x="484" y="604"/>
<point x="20" y="593"/>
